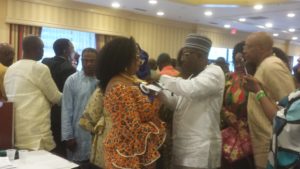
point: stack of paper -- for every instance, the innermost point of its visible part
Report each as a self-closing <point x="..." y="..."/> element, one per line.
<point x="5" y="163"/>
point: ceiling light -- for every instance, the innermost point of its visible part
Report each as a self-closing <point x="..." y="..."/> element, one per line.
<point x="153" y="2"/>
<point x="115" y="5"/>
<point x="242" y="19"/>
<point x="160" y="13"/>
<point x="208" y="13"/>
<point x="294" y="38"/>
<point x="227" y="26"/>
<point x="275" y="34"/>
<point x="269" y="25"/>
<point x="258" y="7"/>
<point x="290" y="15"/>
<point x="291" y="30"/>
<point x="261" y="26"/>
<point x="284" y="31"/>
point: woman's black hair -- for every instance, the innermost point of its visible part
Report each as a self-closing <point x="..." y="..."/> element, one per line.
<point x="238" y="48"/>
<point x="114" y="58"/>
<point x="282" y="55"/>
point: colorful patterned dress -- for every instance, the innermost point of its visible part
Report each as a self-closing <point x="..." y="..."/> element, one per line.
<point x="235" y="101"/>
<point x="234" y="114"/>
<point x="136" y="133"/>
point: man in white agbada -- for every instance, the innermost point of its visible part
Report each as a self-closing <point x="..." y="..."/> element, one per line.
<point x="197" y="101"/>
<point x="29" y="85"/>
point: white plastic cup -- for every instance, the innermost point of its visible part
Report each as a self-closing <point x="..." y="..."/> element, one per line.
<point x="10" y="153"/>
<point x="23" y="155"/>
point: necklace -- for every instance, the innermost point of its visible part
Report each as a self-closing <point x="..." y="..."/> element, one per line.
<point x="141" y="84"/>
<point x="132" y="78"/>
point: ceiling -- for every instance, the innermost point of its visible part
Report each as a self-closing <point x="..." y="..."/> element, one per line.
<point x="227" y="12"/>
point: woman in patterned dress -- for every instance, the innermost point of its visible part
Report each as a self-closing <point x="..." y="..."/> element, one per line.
<point x="98" y="122"/>
<point x="137" y="132"/>
<point x="234" y="111"/>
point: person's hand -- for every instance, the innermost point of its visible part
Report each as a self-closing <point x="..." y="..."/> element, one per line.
<point x="155" y="78"/>
<point x="232" y="121"/>
<point x="229" y="118"/>
<point x="243" y="133"/>
<point x="251" y="84"/>
<point x="71" y="144"/>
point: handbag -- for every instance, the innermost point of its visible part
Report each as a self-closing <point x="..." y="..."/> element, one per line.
<point x="236" y="144"/>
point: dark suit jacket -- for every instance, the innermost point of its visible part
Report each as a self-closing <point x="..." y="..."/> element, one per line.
<point x="60" y="69"/>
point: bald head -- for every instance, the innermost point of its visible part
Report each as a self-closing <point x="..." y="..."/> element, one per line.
<point x="258" y="46"/>
<point x="7" y="54"/>
<point x="33" y="48"/>
<point x="261" y="39"/>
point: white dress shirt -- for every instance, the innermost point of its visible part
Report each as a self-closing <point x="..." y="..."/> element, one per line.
<point x="196" y="122"/>
<point x="29" y="85"/>
<point x="77" y="91"/>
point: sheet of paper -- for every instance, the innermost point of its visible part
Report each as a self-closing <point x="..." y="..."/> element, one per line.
<point x="43" y="159"/>
<point x="5" y="163"/>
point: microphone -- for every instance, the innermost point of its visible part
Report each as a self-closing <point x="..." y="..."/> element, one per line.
<point x="243" y="63"/>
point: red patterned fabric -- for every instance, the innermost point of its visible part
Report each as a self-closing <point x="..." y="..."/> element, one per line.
<point x="236" y="144"/>
<point x="235" y="138"/>
<point x="136" y="133"/>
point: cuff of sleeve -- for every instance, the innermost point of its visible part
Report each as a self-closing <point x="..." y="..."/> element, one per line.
<point x="66" y="137"/>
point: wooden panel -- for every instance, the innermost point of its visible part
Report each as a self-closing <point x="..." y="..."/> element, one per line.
<point x="59" y="16"/>
<point x="294" y="49"/>
<point x="281" y="44"/>
<point x="154" y="34"/>
<point x="222" y="37"/>
<point x="4" y="27"/>
<point x="6" y="125"/>
<point x="155" y="38"/>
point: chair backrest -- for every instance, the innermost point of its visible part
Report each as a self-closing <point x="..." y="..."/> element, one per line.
<point x="6" y="125"/>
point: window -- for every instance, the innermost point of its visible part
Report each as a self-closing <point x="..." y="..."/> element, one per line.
<point x="80" y="40"/>
<point x="226" y="53"/>
<point x="295" y="60"/>
<point x="230" y="60"/>
<point x="217" y="52"/>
